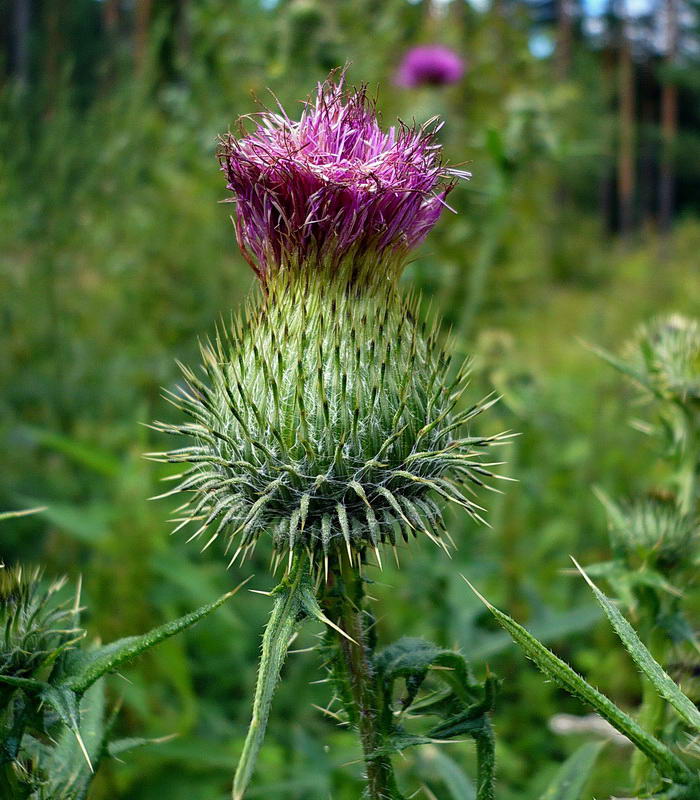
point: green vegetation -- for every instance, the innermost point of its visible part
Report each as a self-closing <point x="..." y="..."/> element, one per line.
<point x="116" y="255"/>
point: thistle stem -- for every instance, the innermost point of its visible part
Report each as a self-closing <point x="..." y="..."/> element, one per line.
<point x="486" y="763"/>
<point x="286" y="614"/>
<point x="346" y="606"/>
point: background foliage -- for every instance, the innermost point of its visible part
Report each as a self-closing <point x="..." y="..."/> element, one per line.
<point x="115" y="256"/>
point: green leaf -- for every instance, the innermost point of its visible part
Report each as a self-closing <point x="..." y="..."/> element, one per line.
<point x="79" y="670"/>
<point x="89" y="456"/>
<point x="64" y="702"/>
<point x="667" y="762"/>
<point x="660" y="679"/>
<point x="119" y="746"/>
<point x="458" y="785"/>
<point x="67" y="771"/>
<point x="411" y="658"/>
<point x="573" y="775"/>
<point x="622" y="366"/>
<point x="86" y="523"/>
<point x="190" y="580"/>
<point x="546" y="628"/>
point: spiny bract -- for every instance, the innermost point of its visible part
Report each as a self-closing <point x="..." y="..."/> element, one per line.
<point x="328" y="415"/>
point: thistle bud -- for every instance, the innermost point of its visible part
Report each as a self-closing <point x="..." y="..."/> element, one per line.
<point x="653" y="532"/>
<point x="665" y="353"/>
<point x="36" y="627"/>
<point x="429" y="65"/>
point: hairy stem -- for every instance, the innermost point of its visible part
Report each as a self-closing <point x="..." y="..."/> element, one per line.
<point x="286" y="614"/>
<point x="486" y="763"/>
<point x="346" y="607"/>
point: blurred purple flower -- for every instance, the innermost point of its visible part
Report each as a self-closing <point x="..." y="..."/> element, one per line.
<point x="333" y="186"/>
<point x="433" y="65"/>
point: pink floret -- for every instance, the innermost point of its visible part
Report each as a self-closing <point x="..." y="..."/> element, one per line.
<point x="333" y="184"/>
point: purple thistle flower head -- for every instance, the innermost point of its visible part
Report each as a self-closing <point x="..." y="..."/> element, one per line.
<point x="433" y="65"/>
<point x="332" y="189"/>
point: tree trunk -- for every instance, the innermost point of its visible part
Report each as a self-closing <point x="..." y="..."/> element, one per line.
<point x="606" y="186"/>
<point x="110" y="16"/>
<point x="669" y="121"/>
<point x="20" y="34"/>
<point x="184" y="35"/>
<point x="626" y="135"/>
<point x="564" y="39"/>
<point x="142" y="24"/>
<point x="53" y="46"/>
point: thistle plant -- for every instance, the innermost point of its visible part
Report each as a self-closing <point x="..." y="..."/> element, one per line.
<point x="654" y="559"/>
<point x="54" y="724"/>
<point x="327" y="415"/>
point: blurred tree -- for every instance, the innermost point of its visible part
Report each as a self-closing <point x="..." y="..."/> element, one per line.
<point x="142" y="25"/>
<point x="19" y="62"/>
<point x="669" y="118"/>
<point x="565" y="35"/>
<point x="626" y="143"/>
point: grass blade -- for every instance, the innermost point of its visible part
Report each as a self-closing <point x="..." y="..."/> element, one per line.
<point x="572" y="777"/>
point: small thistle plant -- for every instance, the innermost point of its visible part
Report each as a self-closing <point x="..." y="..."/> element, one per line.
<point x="54" y="723"/>
<point x="326" y="414"/>
<point x="654" y="541"/>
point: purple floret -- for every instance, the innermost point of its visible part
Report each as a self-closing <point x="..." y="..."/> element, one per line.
<point x="433" y="65"/>
<point x="333" y="185"/>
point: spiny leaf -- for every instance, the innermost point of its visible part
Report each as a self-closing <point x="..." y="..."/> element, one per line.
<point x="660" y="679"/>
<point x="67" y="771"/>
<point x="554" y="668"/>
<point x="23" y="513"/>
<point x="573" y="775"/>
<point x="81" y="670"/>
<point x="281" y="626"/>
<point x="65" y="702"/>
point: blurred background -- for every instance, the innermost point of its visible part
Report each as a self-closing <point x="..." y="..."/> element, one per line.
<point x="580" y="120"/>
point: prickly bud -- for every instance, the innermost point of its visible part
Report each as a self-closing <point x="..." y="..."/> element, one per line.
<point x="35" y="626"/>
<point x="330" y="418"/>
<point x="666" y="354"/>
<point x="653" y="532"/>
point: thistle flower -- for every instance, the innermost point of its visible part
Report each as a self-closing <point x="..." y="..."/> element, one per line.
<point x="327" y="415"/>
<point x="334" y="187"/>
<point x="429" y="65"/>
